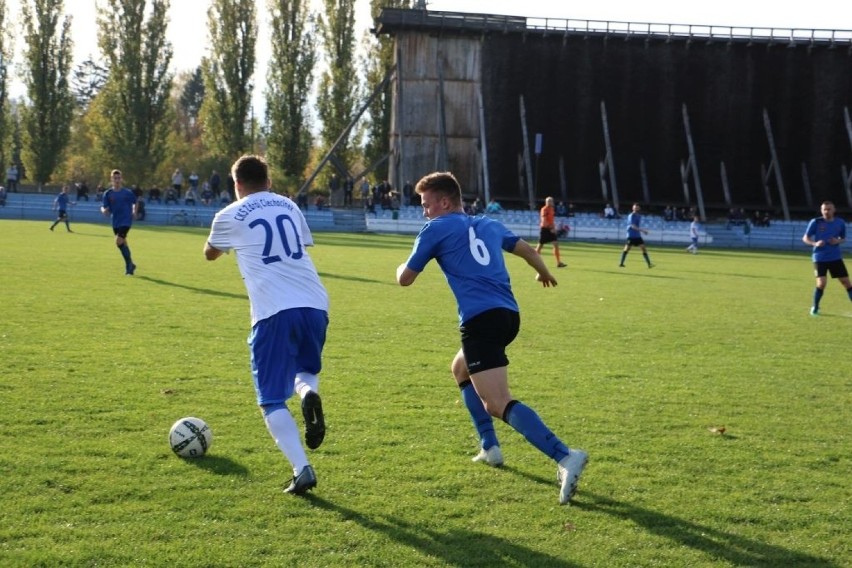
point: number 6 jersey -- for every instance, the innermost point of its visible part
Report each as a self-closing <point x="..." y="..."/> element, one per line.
<point x="469" y="250"/>
<point x="270" y="236"/>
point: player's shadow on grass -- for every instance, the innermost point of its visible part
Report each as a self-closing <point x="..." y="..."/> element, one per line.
<point x="453" y="546"/>
<point x="193" y="288"/>
<point x="733" y="548"/>
<point x="219" y="465"/>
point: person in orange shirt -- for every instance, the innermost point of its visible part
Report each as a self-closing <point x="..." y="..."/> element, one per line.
<point x="547" y="233"/>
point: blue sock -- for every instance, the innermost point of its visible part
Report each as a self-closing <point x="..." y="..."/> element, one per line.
<point x="482" y="421"/>
<point x="849" y="293"/>
<point x="125" y="252"/>
<point x="623" y="256"/>
<point x="647" y="258"/>
<point x="524" y="419"/>
<point x="818" y="292"/>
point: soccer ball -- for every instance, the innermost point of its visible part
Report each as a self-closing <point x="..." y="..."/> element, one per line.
<point x="190" y="437"/>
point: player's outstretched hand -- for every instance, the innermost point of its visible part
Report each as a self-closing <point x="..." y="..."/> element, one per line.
<point x="546" y="280"/>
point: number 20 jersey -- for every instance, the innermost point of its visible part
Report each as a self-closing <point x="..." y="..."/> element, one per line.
<point x="469" y="250"/>
<point x="270" y="236"/>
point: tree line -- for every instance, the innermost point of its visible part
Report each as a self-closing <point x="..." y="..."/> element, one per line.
<point x="128" y="109"/>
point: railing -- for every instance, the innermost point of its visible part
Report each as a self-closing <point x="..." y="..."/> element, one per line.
<point x="392" y="19"/>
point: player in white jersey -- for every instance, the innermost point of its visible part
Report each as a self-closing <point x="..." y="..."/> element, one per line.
<point x="693" y="234"/>
<point x="289" y="308"/>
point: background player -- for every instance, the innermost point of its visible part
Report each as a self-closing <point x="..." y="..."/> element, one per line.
<point x="825" y="234"/>
<point x="120" y="203"/>
<point x="634" y="236"/>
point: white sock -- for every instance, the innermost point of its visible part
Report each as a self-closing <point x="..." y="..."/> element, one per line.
<point x="306" y="382"/>
<point x="286" y="434"/>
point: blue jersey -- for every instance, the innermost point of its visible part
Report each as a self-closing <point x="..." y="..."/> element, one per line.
<point x="120" y="204"/>
<point x="469" y="250"/>
<point x="634" y="219"/>
<point x="62" y="202"/>
<point x="821" y="230"/>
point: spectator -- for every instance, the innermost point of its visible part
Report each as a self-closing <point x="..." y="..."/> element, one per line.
<point x="82" y="191"/>
<point x="3" y="195"/>
<point x="609" y="212"/>
<point x="561" y="210"/>
<point x="302" y="200"/>
<point x="206" y="194"/>
<point x="369" y="205"/>
<point x="140" y="209"/>
<point x="171" y="196"/>
<point x="177" y="181"/>
<point x="477" y="206"/>
<point x="348" y="188"/>
<point x="215" y="183"/>
<point x="224" y="197"/>
<point x="365" y="190"/>
<point x="333" y="186"/>
<point x="319" y="202"/>
<point x="668" y="213"/>
<point x="191" y="197"/>
<point x="193" y="181"/>
<point x="12" y="176"/>
<point x="493" y="207"/>
<point x="154" y="195"/>
<point x="99" y="192"/>
<point x="407" y="192"/>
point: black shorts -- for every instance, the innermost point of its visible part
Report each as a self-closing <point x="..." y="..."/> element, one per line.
<point x="836" y="268"/>
<point x="62" y="214"/>
<point x="485" y="337"/>
<point x="635" y="241"/>
<point x="546" y="236"/>
<point x="121" y="231"/>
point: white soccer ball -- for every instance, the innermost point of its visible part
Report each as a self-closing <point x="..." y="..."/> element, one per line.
<point x="190" y="437"/>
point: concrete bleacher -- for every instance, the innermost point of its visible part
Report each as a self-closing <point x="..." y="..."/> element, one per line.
<point x="39" y="207"/>
<point x="525" y="224"/>
<point x="585" y="227"/>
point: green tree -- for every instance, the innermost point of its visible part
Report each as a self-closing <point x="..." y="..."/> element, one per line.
<point x="132" y="110"/>
<point x="87" y="80"/>
<point x="5" y="62"/>
<point x="339" y="86"/>
<point x="379" y="59"/>
<point x="47" y="66"/>
<point x="190" y="101"/>
<point x="291" y="68"/>
<point x="227" y="73"/>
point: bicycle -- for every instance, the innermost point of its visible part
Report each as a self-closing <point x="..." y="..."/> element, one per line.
<point x="186" y="219"/>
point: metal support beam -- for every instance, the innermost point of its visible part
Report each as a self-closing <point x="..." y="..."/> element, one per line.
<point x="776" y="168"/>
<point x="693" y="163"/>
<point x="609" y="159"/>
<point x="527" y="157"/>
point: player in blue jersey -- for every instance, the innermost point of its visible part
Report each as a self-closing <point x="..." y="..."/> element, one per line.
<point x="61" y="203"/>
<point x="469" y="251"/>
<point x="634" y="236"/>
<point x="289" y="308"/>
<point x="825" y="234"/>
<point x="120" y="203"/>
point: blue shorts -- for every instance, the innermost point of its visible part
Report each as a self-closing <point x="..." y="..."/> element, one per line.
<point x="282" y="345"/>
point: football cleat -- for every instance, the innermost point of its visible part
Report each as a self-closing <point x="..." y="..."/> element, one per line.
<point x="314" y="420"/>
<point x="493" y="456"/>
<point x="305" y="481"/>
<point x="568" y="474"/>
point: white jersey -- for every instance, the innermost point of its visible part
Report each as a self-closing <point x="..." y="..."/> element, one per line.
<point x="269" y="235"/>
<point x="693" y="229"/>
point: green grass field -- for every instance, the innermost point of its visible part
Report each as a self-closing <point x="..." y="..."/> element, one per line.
<point x="636" y="366"/>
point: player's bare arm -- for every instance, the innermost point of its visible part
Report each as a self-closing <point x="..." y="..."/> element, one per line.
<point x="525" y="251"/>
<point x="211" y="252"/>
<point x="405" y="276"/>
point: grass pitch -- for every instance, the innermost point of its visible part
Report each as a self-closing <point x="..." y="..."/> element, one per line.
<point x="642" y="368"/>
